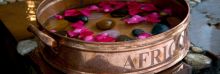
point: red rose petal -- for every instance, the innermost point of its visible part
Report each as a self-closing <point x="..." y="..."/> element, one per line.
<point x="71" y="12"/>
<point x="78" y="24"/>
<point x="168" y="11"/>
<point x="71" y="33"/>
<point x="134" y="19"/>
<point x="104" y="38"/>
<point x="144" y="36"/>
<point x="58" y="17"/>
<point x="148" y="7"/>
<point x="153" y="18"/>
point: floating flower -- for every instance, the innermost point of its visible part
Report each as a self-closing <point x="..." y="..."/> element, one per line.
<point x="72" y="33"/>
<point x="58" y="17"/>
<point x="84" y="33"/>
<point x="106" y="6"/>
<point x="93" y="8"/>
<point x="89" y="38"/>
<point x="109" y="6"/>
<point x="152" y="18"/>
<point x="134" y="7"/>
<point x="85" y="12"/>
<point x="134" y="19"/>
<point x="53" y="31"/>
<point x="71" y="12"/>
<point x="78" y="24"/>
<point x="144" y="36"/>
<point x="117" y="4"/>
<point x="104" y="38"/>
<point x="148" y="7"/>
<point x="167" y="11"/>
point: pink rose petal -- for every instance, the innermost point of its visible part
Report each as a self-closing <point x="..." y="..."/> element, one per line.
<point x="134" y="7"/>
<point x="58" y="17"/>
<point x="71" y="33"/>
<point x="148" y="7"/>
<point x="85" y="33"/>
<point x="53" y="31"/>
<point x="86" y="11"/>
<point x="168" y="11"/>
<point x="106" y="6"/>
<point x="89" y="38"/>
<point x="104" y="38"/>
<point x="78" y="24"/>
<point x="134" y="19"/>
<point x="71" y="12"/>
<point x="144" y="36"/>
<point x="153" y="18"/>
<point x="93" y="8"/>
<point x="117" y="5"/>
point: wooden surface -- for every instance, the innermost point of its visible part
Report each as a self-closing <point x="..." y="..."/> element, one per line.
<point x="14" y="16"/>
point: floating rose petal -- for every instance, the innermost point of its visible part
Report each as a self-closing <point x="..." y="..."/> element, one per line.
<point x="148" y="7"/>
<point x="134" y="19"/>
<point x="77" y="30"/>
<point x="58" y="17"/>
<point x="85" y="33"/>
<point x="111" y="33"/>
<point x="71" y="12"/>
<point x="144" y="36"/>
<point x="53" y="31"/>
<point x="89" y="38"/>
<point x="106" y="6"/>
<point x="78" y="24"/>
<point x="117" y="5"/>
<point x="104" y="38"/>
<point x="93" y="8"/>
<point x="168" y="11"/>
<point x="107" y="9"/>
<point x="86" y="11"/>
<point x="134" y="7"/>
<point x="153" y="18"/>
<point x="71" y="33"/>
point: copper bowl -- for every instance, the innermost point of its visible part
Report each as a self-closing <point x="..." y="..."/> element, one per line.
<point x="73" y="56"/>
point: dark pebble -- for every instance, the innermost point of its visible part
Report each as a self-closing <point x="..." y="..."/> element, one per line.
<point x="123" y="38"/>
<point x="137" y="32"/>
<point x="119" y="13"/>
<point x="159" y="28"/>
<point x="76" y="18"/>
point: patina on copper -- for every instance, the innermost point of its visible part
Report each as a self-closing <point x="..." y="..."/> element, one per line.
<point x="73" y="56"/>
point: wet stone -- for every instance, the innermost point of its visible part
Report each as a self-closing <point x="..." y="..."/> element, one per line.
<point x="198" y="61"/>
<point x="105" y="24"/>
<point x="76" y="18"/>
<point x="137" y="32"/>
<point x="197" y="49"/>
<point x="123" y="38"/>
<point x="159" y="28"/>
<point x="119" y="13"/>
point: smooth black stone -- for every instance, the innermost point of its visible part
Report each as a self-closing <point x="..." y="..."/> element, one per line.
<point x="123" y="38"/>
<point x="76" y="18"/>
<point x="137" y="32"/>
<point x="119" y="13"/>
<point x="159" y="28"/>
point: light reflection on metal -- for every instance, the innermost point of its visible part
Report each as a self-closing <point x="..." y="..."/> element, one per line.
<point x="31" y="8"/>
